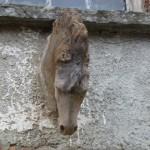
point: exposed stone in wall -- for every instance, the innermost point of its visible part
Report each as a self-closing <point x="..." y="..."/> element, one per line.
<point x="115" y="113"/>
<point x="109" y="20"/>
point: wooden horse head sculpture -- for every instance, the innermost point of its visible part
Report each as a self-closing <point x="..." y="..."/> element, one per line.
<point x="64" y="69"/>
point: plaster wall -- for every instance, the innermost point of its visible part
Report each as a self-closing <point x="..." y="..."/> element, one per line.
<point x="115" y="114"/>
<point x="134" y="5"/>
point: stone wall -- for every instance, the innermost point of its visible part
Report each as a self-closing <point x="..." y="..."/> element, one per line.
<point x="95" y="20"/>
<point x="115" y="114"/>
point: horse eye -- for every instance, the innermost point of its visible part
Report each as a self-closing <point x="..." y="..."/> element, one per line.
<point x="65" y="56"/>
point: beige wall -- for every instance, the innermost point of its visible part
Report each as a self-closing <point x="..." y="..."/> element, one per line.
<point x="135" y="5"/>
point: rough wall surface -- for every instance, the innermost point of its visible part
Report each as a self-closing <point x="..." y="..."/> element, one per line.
<point x="41" y="17"/>
<point x="115" y="114"/>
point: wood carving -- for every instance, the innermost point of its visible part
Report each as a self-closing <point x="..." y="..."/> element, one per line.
<point x="64" y="69"/>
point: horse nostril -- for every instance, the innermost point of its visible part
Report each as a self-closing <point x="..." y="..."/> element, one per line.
<point x="67" y="130"/>
<point x="75" y="128"/>
<point x="62" y="128"/>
